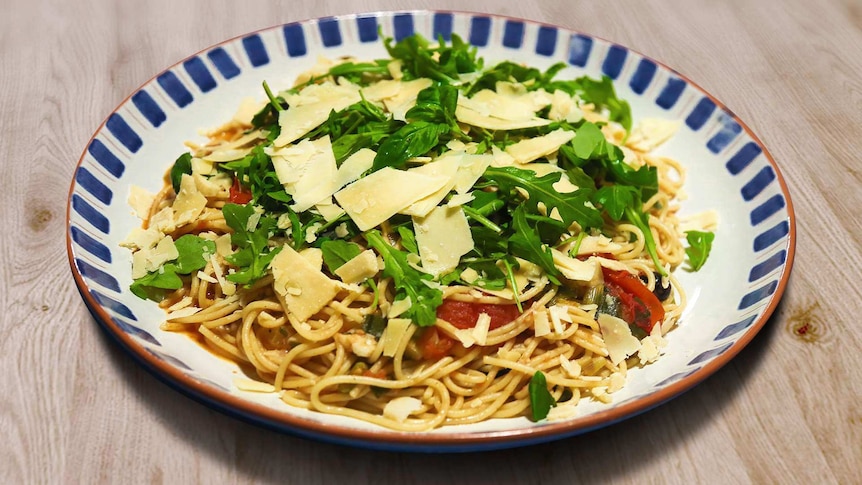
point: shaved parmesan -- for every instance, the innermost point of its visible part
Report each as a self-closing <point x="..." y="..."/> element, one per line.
<point x="575" y="269"/>
<point x="446" y="166"/>
<point x="300" y="287"/>
<point x="618" y="338"/>
<point x="252" y="386"/>
<point x="398" y="307"/>
<point x="472" y="167"/>
<point x="358" y="269"/>
<point x="650" y="133"/>
<point x="400" y="408"/>
<point x="394" y="334"/>
<point x="480" y="331"/>
<point x="530" y="149"/>
<point x="541" y="324"/>
<point x="354" y="166"/>
<point x="141" y="200"/>
<point x="189" y="202"/>
<point x="375" y="198"/>
<point x="443" y="236"/>
<point x="311" y="107"/>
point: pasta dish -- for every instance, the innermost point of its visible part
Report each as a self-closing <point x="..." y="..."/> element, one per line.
<point x="424" y="241"/>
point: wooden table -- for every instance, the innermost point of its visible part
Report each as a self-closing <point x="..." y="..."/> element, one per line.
<point x="75" y="409"/>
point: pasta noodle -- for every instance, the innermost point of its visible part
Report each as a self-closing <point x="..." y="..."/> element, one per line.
<point x="363" y="351"/>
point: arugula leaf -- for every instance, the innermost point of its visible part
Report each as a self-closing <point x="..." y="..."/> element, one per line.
<point x="193" y="252"/>
<point x="615" y="199"/>
<point x="409" y="282"/>
<point x="254" y="254"/>
<point x="152" y="286"/>
<point x="182" y="165"/>
<point x="700" y="244"/>
<point x="336" y="252"/>
<point x="440" y="63"/>
<point x="641" y="219"/>
<point x="408" y="239"/>
<point x="572" y="206"/>
<point x="599" y="92"/>
<point x="435" y="104"/>
<point x="411" y="140"/>
<point x="541" y="400"/>
<point x="525" y="243"/>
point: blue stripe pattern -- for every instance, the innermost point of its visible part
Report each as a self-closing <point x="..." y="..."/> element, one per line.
<point x="330" y="33"/>
<point x="670" y="93"/>
<point x="169" y="359"/>
<point x="96" y="275"/>
<point x="367" y="27"/>
<point x="294" y="38"/>
<point x="643" y="75"/>
<point x="771" y="236"/>
<point x="90" y="214"/>
<point x="200" y="74"/>
<point x="758" y="295"/>
<point x="113" y="305"/>
<point x="224" y="63"/>
<point x="743" y="158"/>
<point x="735" y="328"/>
<point x="546" y="41"/>
<point x="124" y="133"/>
<point x="580" y="47"/>
<point x="93" y="185"/>
<point x="614" y="61"/>
<point x="175" y="89"/>
<point x="710" y="354"/>
<point x="90" y="245"/>
<point x="149" y="108"/>
<point x="756" y="185"/>
<point x="773" y="263"/>
<point x="480" y="30"/>
<point x="513" y="34"/>
<point x="255" y="50"/>
<point x="697" y="118"/>
<point x="135" y="331"/>
<point x="676" y="377"/>
<point x="403" y="25"/>
<point x="106" y="159"/>
<point x="442" y="25"/>
<point x="767" y="209"/>
<point x="728" y="132"/>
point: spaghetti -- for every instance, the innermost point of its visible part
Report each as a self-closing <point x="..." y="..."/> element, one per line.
<point x="290" y="269"/>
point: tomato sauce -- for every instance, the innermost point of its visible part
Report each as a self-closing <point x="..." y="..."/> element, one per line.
<point x="462" y="314"/>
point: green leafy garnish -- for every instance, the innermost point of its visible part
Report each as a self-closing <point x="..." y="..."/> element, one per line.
<point x="254" y="254"/>
<point x="183" y="165"/>
<point x="409" y="282"/>
<point x="193" y="254"/>
<point x="541" y="400"/>
<point x="571" y="206"/>
<point x="525" y="243"/>
<point x="699" y="245"/>
<point x="337" y="252"/>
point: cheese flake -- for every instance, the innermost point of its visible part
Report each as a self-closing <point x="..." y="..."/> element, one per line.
<point x="311" y="107"/>
<point x="358" y="269"/>
<point x="375" y="198"/>
<point x="395" y="332"/>
<point x="575" y="269"/>
<point x="302" y="289"/>
<point x="618" y="338"/>
<point x="141" y="200"/>
<point x="400" y="408"/>
<point x="443" y="236"/>
<point x="480" y="331"/>
<point x="530" y="149"/>
<point x="189" y="202"/>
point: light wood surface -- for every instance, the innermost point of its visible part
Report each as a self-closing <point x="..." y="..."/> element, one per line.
<point x="75" y="409"/>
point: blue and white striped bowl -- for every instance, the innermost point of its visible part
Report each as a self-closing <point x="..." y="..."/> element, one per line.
<point x="729" y="170"/>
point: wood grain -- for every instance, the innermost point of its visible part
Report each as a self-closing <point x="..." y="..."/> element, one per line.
<point x="75" y="409"/>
